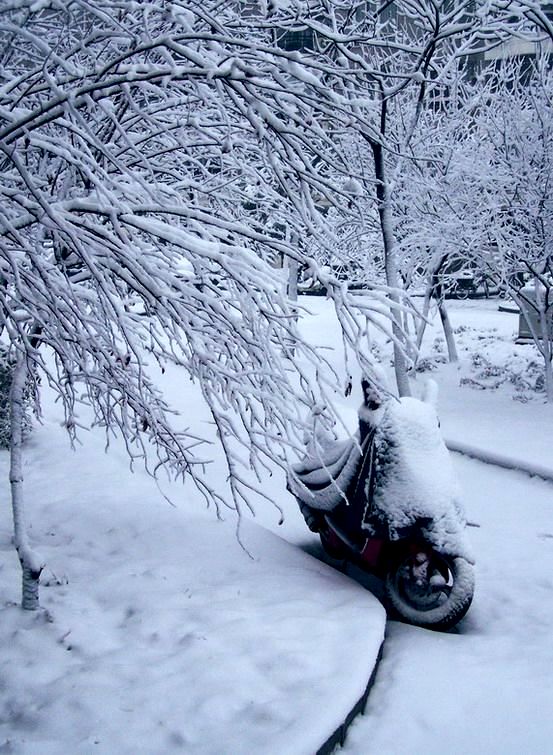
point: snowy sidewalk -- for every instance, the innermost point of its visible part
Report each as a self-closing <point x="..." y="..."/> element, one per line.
<point x="165" y="635"/>
<point x="497" y="425"/>
<point x="492" y="420"/>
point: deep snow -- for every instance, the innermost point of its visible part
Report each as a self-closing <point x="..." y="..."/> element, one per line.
<point x="487" y="688"/>
<point x="163" y="635"/>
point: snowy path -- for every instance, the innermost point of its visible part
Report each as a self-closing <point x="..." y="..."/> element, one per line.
<point x="489" y="687"/>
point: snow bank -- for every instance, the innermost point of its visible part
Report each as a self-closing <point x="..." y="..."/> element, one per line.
<point x="501" y="460"/>
<point x="162" y="634"/>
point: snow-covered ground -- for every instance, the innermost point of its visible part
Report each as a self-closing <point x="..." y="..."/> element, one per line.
<point x="488" y="687"/>
<point x="162" y="634"/>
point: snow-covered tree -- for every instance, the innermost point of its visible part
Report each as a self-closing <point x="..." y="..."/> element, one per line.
<point x="487" y="199"/>
<point x="411" y="56"/>
<point x="155" y="158"/>
<point x="143" y="148"/>
<point x="517" y="127"/>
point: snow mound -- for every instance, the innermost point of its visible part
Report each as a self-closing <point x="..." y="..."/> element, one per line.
<point x="415" y="477"/>
<point x="161" y="632"/>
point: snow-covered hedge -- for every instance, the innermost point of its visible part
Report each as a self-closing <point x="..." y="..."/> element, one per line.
<point x="489" y="360"/>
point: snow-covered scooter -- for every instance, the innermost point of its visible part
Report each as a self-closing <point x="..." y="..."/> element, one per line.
<point x="387" y="500"/>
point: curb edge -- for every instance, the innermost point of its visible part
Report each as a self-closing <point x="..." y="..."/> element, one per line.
<point x="338" y="737"/>
<point x="500" y="460"/>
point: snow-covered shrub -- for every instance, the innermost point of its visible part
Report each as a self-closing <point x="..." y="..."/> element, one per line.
<point x="489" y="360"/>
<point x="495" y="361"/>
<point x="431" y="363"/>
<point x="6" y="373"/>
<point x="438" y="345"/>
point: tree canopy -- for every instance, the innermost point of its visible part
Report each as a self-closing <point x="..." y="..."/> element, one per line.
<point x="158" y="157"/>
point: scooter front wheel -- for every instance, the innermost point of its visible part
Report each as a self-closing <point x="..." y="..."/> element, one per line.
<point x="429" y="589"/>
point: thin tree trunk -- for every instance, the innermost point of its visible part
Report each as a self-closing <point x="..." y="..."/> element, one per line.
<point x="448" y="332"/>
<point x="548" y="369"/>
<point x="425" y="310"/>
<point x="292" y="279"/>
<point x="544" y="311"/>
<point x="31" y="565"/>
<point x="410" y="346"/>
<point x="292" y="292"/>
<point x="545" y="327"/>
<point x="390" y="263"/>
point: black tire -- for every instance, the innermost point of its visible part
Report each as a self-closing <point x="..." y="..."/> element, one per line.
<point x="436" y="596"/>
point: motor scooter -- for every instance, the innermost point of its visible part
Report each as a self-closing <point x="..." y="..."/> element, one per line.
<point x="387" y="500"/>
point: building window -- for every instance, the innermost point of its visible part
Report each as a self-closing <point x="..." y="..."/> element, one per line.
<point x="295" y="39"/>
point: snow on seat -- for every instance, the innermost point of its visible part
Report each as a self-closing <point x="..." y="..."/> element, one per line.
<point x="322" y="478"/>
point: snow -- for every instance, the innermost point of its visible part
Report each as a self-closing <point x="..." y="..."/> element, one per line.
<point x="487" y="687"/>
<point x="330" y="472"/>
<point x="511" y="419"/>
<point x="163" y="634"/>
<point x="161" y="631"/>
<point x="416" y="478"/>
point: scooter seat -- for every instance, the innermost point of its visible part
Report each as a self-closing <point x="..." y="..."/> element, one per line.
<point x="320" y="469"/>
<point x="321" y="480"/>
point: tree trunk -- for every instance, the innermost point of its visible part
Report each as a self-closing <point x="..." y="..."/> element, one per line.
<point x="548" y="374"/>
<point x="31" y="565"/>
<point x="390" y="263"/>
<point x="293" y="268"/>
<point x="546" y="338"/>
<point x="448" y="332"/>
<point x="292" y="292"/>
<point x="424" y="320"/>
<point x="410" y="344"/>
